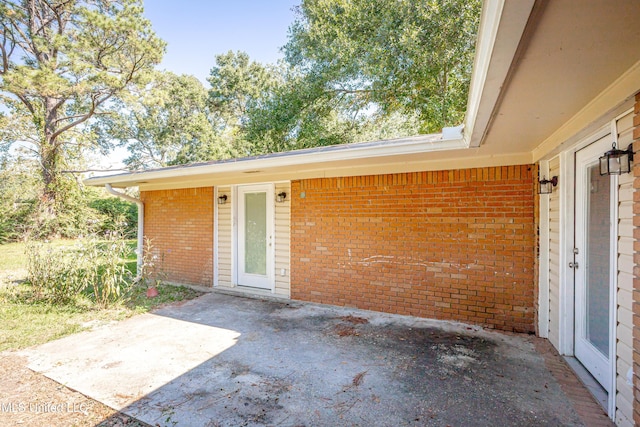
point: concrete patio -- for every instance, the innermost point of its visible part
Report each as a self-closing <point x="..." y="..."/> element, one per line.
<point x="223" y="360"/>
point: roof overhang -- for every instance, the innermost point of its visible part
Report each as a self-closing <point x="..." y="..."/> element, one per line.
<point x="577" y="65"/>
<point x="543" y="71"/>
<point x="338" y="160"/>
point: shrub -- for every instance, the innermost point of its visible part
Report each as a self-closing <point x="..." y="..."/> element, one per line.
<point x="53" y="273"/>
<point x="91" y="266"/>
<point x="117" y="214"/>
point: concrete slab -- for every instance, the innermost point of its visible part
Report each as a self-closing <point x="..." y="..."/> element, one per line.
<point x="222" y="360"/>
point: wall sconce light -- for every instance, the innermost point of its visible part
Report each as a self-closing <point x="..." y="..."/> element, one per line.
<point x="546" y="185"/>
<point x="616" y="162"/>
<point x="281" y="197"/>
<point x="222" y="199"/>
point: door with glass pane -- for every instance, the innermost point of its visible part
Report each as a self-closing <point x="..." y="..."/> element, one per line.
<point x="255" y="236"/>
<point x="593" y="263"/>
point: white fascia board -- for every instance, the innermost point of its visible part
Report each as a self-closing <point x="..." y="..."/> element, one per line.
<point x="311" y="158"/>
<point x="502" y="25"/>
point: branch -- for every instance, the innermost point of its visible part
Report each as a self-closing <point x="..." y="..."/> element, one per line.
<point x="26" y="102"/>
<point x="95" y="170"/>
<point x="83" y="117"/>
<point x="77" y="116"/>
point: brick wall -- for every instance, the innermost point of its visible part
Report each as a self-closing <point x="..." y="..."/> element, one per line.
<point x="180" y="224"/>
<point x="636" y="261"/>
<point x="456" y="245"/>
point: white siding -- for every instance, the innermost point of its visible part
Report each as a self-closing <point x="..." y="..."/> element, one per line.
<point x="554" y="257"/>
<point x="225" y="236"/>
<point x="624" y="327"/>
<point x="282" y="239"/>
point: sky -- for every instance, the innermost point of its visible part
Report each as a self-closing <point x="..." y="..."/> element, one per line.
<point x="198" y="30"/>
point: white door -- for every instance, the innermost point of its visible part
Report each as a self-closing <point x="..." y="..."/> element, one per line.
<point x="594" y="263"/>
<point x="255" y="255"/>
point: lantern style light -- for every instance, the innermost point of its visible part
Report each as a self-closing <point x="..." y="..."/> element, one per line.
<point x="222" y="199"/>
<point x="616" y="162"/>
<point x="281" y="197"/>
<point x="546" y="185"/>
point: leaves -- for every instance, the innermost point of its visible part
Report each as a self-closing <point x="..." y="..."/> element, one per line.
<point x="61" y="62"/>
<point x="166" y="122"/>
<point x="402" y="56"/>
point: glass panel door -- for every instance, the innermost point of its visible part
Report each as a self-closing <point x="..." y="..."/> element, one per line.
<point x="593" y="260"/>
<point x="598" y="248"/>
<point x="255" y="256"/>
<point x="255" y="236"/>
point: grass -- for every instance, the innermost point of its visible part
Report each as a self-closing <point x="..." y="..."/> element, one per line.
<point x="25" y="321"/>
<point x="13" y="258"/>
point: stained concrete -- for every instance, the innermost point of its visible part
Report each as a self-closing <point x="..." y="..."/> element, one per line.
<point x="223" y="360"/>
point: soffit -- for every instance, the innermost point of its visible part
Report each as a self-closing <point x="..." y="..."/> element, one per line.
<point x="571" y="52"/>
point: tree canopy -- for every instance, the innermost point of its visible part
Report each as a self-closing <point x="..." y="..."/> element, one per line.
<point x="61" y="62"/>
<point x="412" y="57"/>
<point x="164" y="122"/>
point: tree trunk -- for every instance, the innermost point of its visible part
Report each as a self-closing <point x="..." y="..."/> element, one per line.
<point x="49" y="153"/>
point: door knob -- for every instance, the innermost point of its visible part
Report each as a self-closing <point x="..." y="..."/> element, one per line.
<point x="573" y="265"/>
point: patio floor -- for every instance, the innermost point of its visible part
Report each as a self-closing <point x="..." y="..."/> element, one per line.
<point x="222" y="360"/>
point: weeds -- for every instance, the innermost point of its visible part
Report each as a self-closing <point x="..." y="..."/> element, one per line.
<point x="91" y="266"/>
<point x="151" y="271"/>
<point x="30" y="315"/>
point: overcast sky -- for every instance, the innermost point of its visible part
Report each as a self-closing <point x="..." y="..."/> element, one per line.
<point x="198" y="30"/>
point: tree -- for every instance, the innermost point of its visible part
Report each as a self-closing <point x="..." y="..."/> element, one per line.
<point x="61" y="62"/>
<point x="412" y="57"/>
<point x="300" y="113"/>
<point x="237" y="83"/>
<point x="166" y="122"/>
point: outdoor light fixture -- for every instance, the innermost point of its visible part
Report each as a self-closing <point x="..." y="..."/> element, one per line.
<point x="546" y="185"/>
<point x="281" y="197"/>
<point x="222" y="199"/>
<point x="616" y="162"/>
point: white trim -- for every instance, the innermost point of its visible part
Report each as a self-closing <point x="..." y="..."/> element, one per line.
<point x="402" y="146"/>
<point x="566" y="292"/>
<point x="543" y="257"/>
<point x="613" y="290"/>
<point x="216" y="252"/>
<point x="234" y="236"/>
<point x="493" y="62"/>
<point x="599" y="364"/>
<point x="256" y="280"/>
<point x="487" y="33"/>
<point x="567" y="213"/>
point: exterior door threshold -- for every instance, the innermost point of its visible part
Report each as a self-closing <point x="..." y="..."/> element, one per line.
<point x="599" y="394"/>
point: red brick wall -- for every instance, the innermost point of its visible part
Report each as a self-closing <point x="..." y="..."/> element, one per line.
<point x="636" y="261"/>
<point x="456" y="245"/>
<point x="180" y="224"/>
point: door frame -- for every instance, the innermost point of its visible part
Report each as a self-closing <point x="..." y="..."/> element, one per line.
<point x="567" y="239"/>
<point x="592" y="155"/>
<point x="269" y="188"/>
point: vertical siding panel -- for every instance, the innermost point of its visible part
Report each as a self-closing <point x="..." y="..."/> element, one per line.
<point x="282" y="241"/>
<point x="224" y="239"/>
<point x="624" y="327"/>
<point x="554" y="256"/>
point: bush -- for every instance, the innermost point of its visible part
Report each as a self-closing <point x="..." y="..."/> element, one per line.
<point x="117" y="214"/>
<point x="52" y="273"/>
<point x="91" y="267"/>
<point x="13" y="220"/>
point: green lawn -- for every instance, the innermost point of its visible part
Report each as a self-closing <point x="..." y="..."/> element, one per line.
<point x="25" y="321"/>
